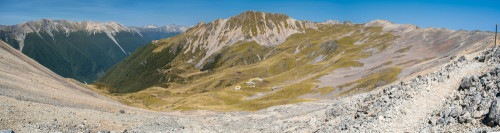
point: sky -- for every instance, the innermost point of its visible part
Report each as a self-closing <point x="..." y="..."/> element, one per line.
<point x="452" y="14"/>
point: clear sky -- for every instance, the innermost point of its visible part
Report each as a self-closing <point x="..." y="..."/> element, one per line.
<point x="453" y="14"/>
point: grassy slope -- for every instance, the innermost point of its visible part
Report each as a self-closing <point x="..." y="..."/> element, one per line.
<point x="79" y="55"/>
<point x="286" y="75"/>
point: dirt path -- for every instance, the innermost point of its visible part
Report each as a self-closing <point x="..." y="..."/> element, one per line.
<point x="431" y="98"/>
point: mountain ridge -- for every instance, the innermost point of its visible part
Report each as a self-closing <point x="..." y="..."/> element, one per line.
<point x="82" y="50"/>
<point x="66" y="26"/>
<point x="203" y="67"/>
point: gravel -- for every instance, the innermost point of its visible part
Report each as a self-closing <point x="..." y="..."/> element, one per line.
<point x="460" y="96"/>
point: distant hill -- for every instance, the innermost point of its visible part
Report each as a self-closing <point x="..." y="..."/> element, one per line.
<point x="81" y="50"/>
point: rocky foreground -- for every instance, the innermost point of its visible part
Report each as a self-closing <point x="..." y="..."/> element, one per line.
<point x="460" y="96"/>
<point x="432" y="102"/>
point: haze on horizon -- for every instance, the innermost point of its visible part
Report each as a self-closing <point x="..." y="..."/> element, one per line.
<point x="452" y="14"/>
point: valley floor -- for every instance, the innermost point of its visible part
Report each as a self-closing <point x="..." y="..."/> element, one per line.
<point x="408" y="105"/>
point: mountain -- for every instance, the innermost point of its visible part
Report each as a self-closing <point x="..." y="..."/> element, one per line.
<point x="255" y="60"/>
<point x="80" y="50"/>
<point x="153" y="32"/>
<point x="442" y="81"/>
<point x="34" y="99"/>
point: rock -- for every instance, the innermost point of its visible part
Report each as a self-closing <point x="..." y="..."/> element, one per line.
<point x="446" y="113"/>
<point x="494" y="115"/>
<point x="465" y="118"/>
<point x="480" y="58"/>
<point x="102" y="131"/>
<point x="6" y="131"/>
<point x="427" y="129"/>
<point x="453" y="57"/>
<point x="441" y="121"/>
<point x="122" y="111"/>
<point x="416" y="80"/>
<point x="440" y="79"/>
<point x="450" y="120"/>
<point x="466" y="83"/>
<point x="433" y="121"/>
<point x="462" y="58"/>
<point x="81" y="126"/>
<point x="477" y="114"/>
<point x="454" y="113"/>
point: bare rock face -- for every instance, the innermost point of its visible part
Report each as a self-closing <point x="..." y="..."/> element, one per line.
<point x="82" y="50"/>
<point x="50" y="26"/>
<point x="267" y="29"/>
<point x="493" y="118"/>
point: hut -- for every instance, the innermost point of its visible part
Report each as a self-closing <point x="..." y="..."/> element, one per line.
<point x="250" y="83"/>
<point x="237" y="87"/>
<point x="256" y="79"/>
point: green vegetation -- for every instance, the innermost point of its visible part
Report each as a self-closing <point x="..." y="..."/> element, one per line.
<point x="374" y="80"/>
<point x="403" y="50"/>
<point x="80" y="55"/>
<point x="251" y="21"/>
<point x="425" y="59"/>
<point x="166" y="71"/>
<point x="140" y="70"/>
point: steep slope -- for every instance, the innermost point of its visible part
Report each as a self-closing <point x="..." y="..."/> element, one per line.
<point x="26" y="79"/>
<point x="201" y="42"/>
<point x="286" y="60"/>
<point x="80" y="50"/>
<point x="414" y="104"/>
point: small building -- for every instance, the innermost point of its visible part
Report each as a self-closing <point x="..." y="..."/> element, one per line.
<point x="250" y="83"/>
<point x="237" y="87"/>
<point x="256" y="79"/>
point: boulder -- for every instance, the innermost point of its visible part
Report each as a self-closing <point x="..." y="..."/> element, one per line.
<point x="480" y="58"/>
<point x="6" y="131"/>
<point x="494" y="115"/>
<point x="465" y="83"/>
<point x="462" y="58"/>
<point x="465" y="118"/>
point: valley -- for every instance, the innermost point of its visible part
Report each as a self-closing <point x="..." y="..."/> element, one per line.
<point x="323" y="61"/>
<point x="80" y="50"/>
<point x="251" y="72"/>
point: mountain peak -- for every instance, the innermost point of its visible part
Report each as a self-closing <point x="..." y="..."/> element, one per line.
<point x="255" y="18"/>
<point x="90" y="27"/>
<point x="259" y="14"/>
<point x="331" y="22"/>
<point x="267" y="29"/>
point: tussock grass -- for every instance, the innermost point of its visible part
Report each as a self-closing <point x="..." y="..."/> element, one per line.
<point x="287" y="75"/>
<point x="372" y="81"/>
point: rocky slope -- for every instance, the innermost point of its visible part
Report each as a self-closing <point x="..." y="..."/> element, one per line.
<point x="437" y="99"/>
<point x="297" y="61"/>
<point x="80" y="50"/>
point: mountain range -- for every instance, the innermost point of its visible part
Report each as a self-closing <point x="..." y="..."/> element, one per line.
<point x="215" y="65"/>
<point x="253" y="72"/>
<point x="81" y="50"/>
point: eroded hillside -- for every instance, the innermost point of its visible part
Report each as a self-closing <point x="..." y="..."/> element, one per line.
<point x="275" y="60"/>
<point x="82" y="50"/>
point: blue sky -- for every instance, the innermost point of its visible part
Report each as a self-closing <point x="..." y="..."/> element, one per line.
<point x="453" y="14"/>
